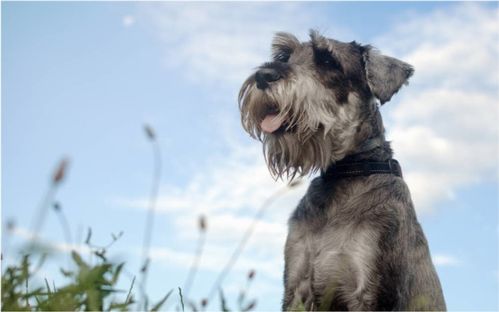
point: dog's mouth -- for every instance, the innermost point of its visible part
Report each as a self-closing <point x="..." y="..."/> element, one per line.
<point x="273" y="122"/>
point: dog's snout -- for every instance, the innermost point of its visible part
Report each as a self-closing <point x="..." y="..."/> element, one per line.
<point x="265" y="76"/>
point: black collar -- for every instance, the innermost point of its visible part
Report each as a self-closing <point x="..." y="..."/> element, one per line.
<point x="343" y="169"/>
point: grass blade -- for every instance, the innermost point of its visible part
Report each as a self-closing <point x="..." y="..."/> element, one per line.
<point x="48" y="287"/>
<point x="158" y="305"/>
<point x="181" y="299"/>
<point x="130" y="291"/>
<point x="223" y="302"/>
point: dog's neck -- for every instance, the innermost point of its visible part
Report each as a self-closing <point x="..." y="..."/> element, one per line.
<point x="374" y="149"/>
<point x="370" y="143"/>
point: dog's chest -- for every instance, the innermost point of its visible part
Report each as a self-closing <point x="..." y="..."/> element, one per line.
<point x="337" y="261"/>
<point x="341" y="253"/>
<point x="330" y="251"/>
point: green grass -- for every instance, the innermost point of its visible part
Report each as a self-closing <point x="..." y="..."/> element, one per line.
<point x="89" y="288"/>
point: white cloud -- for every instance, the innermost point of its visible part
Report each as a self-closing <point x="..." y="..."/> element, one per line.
<point x="229" y="194"/>
<point x="236" y="183"/>
<point x="444" y="260"/>
<point x="223" y="42"/>
<point x="30" y="237"/>
<point x="452" y="46"/>
<point x="215" y="257"/>
<point x="445" y="127"/>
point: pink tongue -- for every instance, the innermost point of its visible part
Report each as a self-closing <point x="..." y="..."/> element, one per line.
<point x="271" y="123"/>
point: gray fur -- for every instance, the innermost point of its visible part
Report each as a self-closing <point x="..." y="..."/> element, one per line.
<point x="385" y="74"/>
<point x="353" y="243"/>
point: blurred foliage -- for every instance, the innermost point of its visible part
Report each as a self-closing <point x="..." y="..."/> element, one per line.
<point x="91" y="287"/>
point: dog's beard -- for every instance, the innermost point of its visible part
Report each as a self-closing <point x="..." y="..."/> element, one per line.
<point x="316" y="131"/>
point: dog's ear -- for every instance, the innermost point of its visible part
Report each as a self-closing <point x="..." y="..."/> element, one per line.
<point x="385" y="74"/>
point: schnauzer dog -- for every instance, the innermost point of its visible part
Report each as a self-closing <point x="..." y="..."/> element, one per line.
<point x="354" y="242"/>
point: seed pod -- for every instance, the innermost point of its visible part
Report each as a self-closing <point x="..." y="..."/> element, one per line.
<point x="251" y="274"/>
<point x="11" y="225"/>
<point x="204" y="302"/>
<point x="202" y="223"/>
<point x="149" y="132"/>
<point x="60" y="171"/>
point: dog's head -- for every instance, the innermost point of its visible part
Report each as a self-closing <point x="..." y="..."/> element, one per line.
<point x="309" y="105"/>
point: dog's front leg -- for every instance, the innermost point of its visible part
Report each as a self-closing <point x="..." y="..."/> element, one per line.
<point x="298" y="293"/>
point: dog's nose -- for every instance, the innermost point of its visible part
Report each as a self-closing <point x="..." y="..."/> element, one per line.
<point x="264" y="76"/>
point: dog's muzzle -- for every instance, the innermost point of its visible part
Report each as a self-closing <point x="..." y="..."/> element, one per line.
<point x="265" y="76"/>
<point x="272" y="120"/>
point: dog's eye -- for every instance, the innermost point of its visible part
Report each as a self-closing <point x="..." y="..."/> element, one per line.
<point x="324" y="58"/>
<point x="281" y="53"/>
<point x="282" y="56"/>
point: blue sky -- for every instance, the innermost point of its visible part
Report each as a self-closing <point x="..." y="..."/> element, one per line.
<point x="80" y="79"/>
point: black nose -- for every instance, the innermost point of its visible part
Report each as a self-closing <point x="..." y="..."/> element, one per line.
<point x="264" y="76"/>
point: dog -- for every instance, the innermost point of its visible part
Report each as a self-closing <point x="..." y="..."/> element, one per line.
<point x="354" y="242"/>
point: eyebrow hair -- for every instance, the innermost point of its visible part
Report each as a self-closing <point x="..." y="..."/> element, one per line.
<point x="284" y="44"/>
